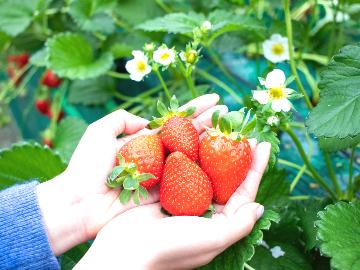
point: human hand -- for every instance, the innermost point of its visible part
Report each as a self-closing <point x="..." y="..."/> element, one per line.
<point x="77" y="203"/>
<point x="144" y="238"/>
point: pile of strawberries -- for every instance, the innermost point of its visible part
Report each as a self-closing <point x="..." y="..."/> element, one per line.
<point x="192" y="173"/>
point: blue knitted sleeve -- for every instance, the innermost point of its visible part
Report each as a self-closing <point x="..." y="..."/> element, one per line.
<point x="23" y="238"/>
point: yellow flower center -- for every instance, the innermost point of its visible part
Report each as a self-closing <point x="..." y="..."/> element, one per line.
<point x="276" y="93"/>
<point x="141" y="66"/>
<point x="165" y="56"/>
<point x="277" y="49"/>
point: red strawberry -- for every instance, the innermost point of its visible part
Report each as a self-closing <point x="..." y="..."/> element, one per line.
<point x="225" y="155"/>
<point x="19" y="60"/>
<point x="43" y="106"/>
<point x="185" y="189"/>
<point x="179" y="134"/>
<point x="147" y="152"/>
<point x="50" y="79"/>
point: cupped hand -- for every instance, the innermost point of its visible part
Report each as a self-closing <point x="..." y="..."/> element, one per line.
<point x="77" y="203"/>
<point x="144" y="238"/>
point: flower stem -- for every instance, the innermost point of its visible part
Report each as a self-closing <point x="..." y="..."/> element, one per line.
<point x="163" y="84"/>
<point x="350" y="185"/>
<point x="332" y="173"/>
<point x="291" y="53"/>
<point x="118" y="75"/>
<point x="218" y="82"/>
<point x="304" y="157"/>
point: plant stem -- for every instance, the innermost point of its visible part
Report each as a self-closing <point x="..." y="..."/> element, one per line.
<point x="350" y="185"/>
<point x="333" y="178"/>
<point x="214" y="57"/>
<point x="302" y="153"/>
<point x="118" y="75"/>
<point x="221" y="84"/>
<point x="163" y="84"/>
<point x="248" y="267"/>
<point x="291" y="53"/>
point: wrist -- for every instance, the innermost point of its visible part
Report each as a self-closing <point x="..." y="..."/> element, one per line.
<point x="62" y="214"/>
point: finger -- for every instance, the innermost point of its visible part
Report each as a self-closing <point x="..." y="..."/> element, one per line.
<point x="204" y="119"/>
<point x="120" y="121"/>
<point x="241" y="223"/>
<point x="248" y="189"/>
<point x="201" y="103"/>
<point x="122" y="141"/>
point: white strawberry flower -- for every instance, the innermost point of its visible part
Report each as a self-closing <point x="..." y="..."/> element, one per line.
<point x="273" y="120"/>
<point x="276" y="48"/>
<point x="138" y="67"/>
<point x="164" y="56"/>
<point x="275" y="93"/>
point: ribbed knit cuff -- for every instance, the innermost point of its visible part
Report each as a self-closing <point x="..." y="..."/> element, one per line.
<point x="23" y="239"/>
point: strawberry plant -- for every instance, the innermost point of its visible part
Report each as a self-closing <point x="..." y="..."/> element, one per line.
<point x="289" y="71"/>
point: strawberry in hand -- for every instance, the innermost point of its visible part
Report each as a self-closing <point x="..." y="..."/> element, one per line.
<point x="185" y="189"/>
<point x="140" y="167"/>
<point x="225" y="153"/>
<point x="177" y="132"/>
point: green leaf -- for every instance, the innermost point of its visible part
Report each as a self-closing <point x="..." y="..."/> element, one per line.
<point x="339" y="234"/>
<point x="143" y="192"/>
<point x="292" y="259"/>
<point x="131" y="183"/>
<point x="125" y="196"/>
<point x="145" y="176"/>
<point x="215" y="118"/>
<point x="91" y="15"/>
<point x="338" y="111"/>
<point x="177" y="23"/>
<point x="239" y="253"/>
<point x="92" y="91"/>
<point x="335" y="144"/>
<point x="16" y="15"/>
<point x="307" y="213"/>
<point x="71" y="56"/>
<point x="39" y="58"/>
<point x="68" y="135"/>
<point x="273" y="189"/>
<point x="73" y="256"/>
<point x="25" y="161"/>
<point x="272" y="138"/>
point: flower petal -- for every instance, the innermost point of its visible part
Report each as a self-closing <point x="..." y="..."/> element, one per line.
<point x="275" y="78"/>
<point x="262" y="96"/>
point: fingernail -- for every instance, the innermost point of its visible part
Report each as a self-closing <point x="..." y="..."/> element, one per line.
<point x="259" y="211"/>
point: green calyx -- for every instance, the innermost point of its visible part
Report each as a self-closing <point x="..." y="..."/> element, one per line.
<point x="235" y="124"/>
<point x="168" y="112"/>
<point x="126" y="176"/>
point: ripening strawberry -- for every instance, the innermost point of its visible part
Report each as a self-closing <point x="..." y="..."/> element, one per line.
<point x="185" y="189"/>
<point x="177" y="132"/>
<point x="43" y="106"/>
<point x="147" y="152"/>
<point x="50" y="79"/>
<point x="225" y="155"/>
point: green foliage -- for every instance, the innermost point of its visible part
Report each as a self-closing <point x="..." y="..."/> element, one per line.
<point x="71" y="56"/>
<point x="337" y="114"/>
<point x="68" y="135"/>
<point x="339" y="234"/>
<point x="16" y="15"/>
<point x="92" y="15"/>
<point x="73" y="256"/>
<point x="174" y="23"/>
<point x="293" y="258"/>
<point x="25" y="161"/>
<point x="91" y="91"/>
<point x="273" y="190"/>
<point x="239" y="253"/>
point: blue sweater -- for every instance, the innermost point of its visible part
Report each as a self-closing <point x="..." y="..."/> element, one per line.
<point x="23" y="238"/>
